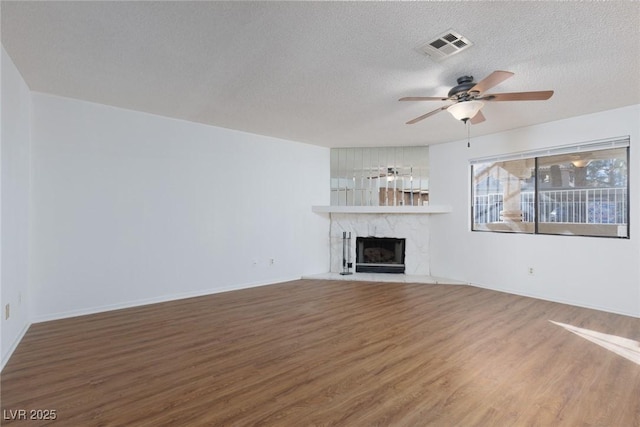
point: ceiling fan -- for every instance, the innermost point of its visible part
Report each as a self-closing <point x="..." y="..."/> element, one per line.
<point x="468" y="97"/>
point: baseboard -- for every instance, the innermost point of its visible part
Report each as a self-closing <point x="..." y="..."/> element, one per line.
<point x="559" y="300"/>
<point x="156" y="300"/>
<point x="14" y="345"/>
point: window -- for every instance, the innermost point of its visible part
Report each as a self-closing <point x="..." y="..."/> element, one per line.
<point x="584" y="193"/>
<point x="578" y="191"/>
<point x="503" y="197"/>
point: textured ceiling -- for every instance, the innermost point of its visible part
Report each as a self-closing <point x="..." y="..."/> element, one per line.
<point x="327" y="73"/>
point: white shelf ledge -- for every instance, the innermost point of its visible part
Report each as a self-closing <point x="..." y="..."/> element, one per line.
<point x="430" y="209"/>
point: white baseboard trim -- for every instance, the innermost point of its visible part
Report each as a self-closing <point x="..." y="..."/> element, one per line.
<point x="558" y="300"/>
<point x="155" y="300"/>
<point x="14" y="345"/>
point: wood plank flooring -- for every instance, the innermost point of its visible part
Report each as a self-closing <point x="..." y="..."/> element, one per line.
<point x="314" y="352"/>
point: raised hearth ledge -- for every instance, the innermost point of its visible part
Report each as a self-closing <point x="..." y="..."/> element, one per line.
<point x="385" y="277"/>
<point x="430" y="209"/>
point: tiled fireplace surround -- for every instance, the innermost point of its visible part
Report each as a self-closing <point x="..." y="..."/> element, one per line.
<point x="412" y="227"/>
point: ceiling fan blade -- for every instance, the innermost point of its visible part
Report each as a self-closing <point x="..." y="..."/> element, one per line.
<point x="478" y="118"/>
<point x="541" y="95"/>
<point x="429" y="114"/>
<point x="490" y="81"/>
<point x="422" y="98"/>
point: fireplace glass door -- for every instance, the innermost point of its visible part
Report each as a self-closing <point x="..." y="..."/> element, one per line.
<point x="379" y="255"/>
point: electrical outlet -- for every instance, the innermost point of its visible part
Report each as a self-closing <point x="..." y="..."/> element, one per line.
<point x="7" y="311"/>
<point x="272" y="261"/>
<point x="530" y="271"/>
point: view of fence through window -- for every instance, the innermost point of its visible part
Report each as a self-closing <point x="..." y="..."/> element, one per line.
<point x="575" y="193"/>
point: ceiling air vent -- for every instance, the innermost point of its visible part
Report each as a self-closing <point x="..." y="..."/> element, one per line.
<point x="446" y="44"/>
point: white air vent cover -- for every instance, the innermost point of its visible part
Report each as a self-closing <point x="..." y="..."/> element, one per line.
<point x="445" y="45"/>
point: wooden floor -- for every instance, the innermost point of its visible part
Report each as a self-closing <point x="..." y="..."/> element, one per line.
<point x="314" y="352"/>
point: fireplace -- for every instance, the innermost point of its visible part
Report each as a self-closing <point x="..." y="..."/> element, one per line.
<point x="379" y="255"/>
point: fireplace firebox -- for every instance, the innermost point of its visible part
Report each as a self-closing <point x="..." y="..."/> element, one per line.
<point x="379" y="255"/>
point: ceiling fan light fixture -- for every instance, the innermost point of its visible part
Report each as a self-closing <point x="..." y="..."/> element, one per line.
<point x="465" y="110"/>
<point x="580" y="163"/>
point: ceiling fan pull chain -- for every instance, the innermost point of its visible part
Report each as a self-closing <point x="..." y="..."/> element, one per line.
<point x="466" y="122"/>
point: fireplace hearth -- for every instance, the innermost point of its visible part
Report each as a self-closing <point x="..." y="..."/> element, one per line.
<point x="380" y="255"/>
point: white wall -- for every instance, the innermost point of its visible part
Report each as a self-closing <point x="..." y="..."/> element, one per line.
<point x="131" y="208"/>
<point x="14" y="206"/>
<point x="592" y="272"/>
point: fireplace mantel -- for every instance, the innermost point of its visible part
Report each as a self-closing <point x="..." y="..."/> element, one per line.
<point x="430" y="209"/>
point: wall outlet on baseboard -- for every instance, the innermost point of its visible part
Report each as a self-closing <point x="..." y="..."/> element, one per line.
<point x="530" y="271"/>
<point x="272" y="261"/>
<point x="7" y="311"/>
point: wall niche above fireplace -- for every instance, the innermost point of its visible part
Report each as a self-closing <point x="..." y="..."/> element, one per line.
<point x="380" y="176"/>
